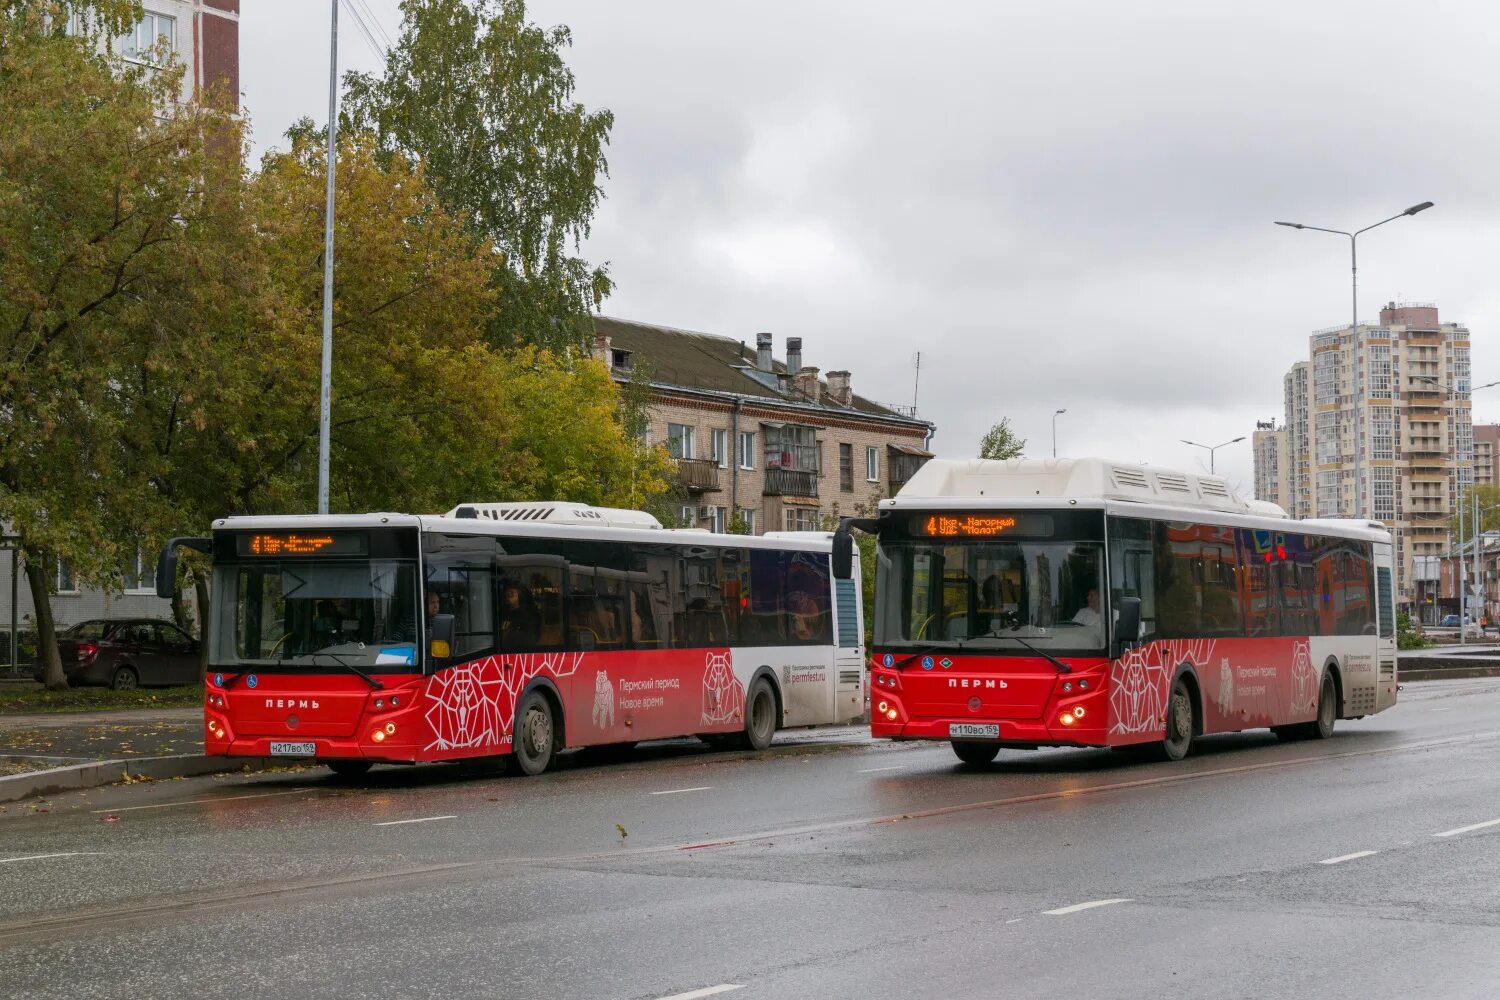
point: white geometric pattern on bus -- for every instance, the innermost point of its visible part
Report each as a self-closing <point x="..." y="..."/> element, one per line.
<point x="472" y="706"/>
<point x="1304" y="681"/>
<point x="723" y="694"/>
<point x="1141" y="680"/>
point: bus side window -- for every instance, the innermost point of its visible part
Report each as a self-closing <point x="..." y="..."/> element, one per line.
<point x="653" y="584"/>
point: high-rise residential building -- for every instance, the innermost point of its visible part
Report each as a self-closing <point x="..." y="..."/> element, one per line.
<point x="1486" y="453"/>
<point x="1271" y="466"/>
<point x="204" y="35"/>
<point x="1406" y="382"/>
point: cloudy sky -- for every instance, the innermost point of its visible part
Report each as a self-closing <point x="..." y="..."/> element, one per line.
<point x="1059" y="204"/>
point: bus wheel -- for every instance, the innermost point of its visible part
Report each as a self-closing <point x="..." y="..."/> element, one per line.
<point x="1328" y="709"/>
<point x="760" y="720"/>
<point x="348" y="768"/>
<point x="1179" y="737"/>
<point x="977" y="754"/>
<point x="534" y="735"/>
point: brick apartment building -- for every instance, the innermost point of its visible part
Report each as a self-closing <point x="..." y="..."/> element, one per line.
<point x="771" y="442"/>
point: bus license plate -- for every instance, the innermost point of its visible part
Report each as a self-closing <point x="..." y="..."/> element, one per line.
<point x="989" y="730"/>
<point x="293" y="749"/>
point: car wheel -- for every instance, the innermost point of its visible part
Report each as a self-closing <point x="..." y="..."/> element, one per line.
<point x="977" y="754"/>
<point x="125" y="679"/>
<point x="535" y="735"/>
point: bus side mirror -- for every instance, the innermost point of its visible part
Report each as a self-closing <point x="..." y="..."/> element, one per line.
<point x="843" y="554"/>
<point x="440" y="636"/>
<point x="1127" y="623"/>
<point x="166" y="564"/>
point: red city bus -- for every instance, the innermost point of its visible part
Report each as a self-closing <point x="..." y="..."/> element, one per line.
<point x="515" y="631"/>
<point x="1083" y="603"/>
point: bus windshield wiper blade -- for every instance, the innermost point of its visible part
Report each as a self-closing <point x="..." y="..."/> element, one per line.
<point x="1062" y="667"/>
<point x="336" y="658"/>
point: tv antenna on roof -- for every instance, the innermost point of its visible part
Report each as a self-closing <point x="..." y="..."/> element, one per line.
<point x="916" y="383"/>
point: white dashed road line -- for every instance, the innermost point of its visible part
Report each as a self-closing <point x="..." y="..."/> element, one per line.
<point x="872" y="770"/>
<point x="1347" y="857"/>
<point x="679" y="791"/>
<point x="707" y="991"/>
<point x="1467" y="829"/>
<point x="424" y="819"/>
<point x="1063" y="911"/>
<point x="66" y="854"/>
<point x="200" y="802"/>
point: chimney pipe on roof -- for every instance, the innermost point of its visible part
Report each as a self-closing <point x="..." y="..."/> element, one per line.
<point x="838" y="388"/>
<point x="763" y="352"/>
<point x="806" y="384"/>
<point x="794" y="354"/>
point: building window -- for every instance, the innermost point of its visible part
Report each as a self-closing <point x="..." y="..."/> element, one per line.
<point x="846" y="467"/>
<point x="747" y="449"/>
<point x="619" y="359"/>
<point x="680" y="440"/>
<point x="140" y="574"/>
<point x="687" y="516"/>
<point x="713" y="518"/>
<point x="792" y="446"/>
<point x="1383" y="434"/>
<point x="139" y="44"/>
<point x="802" y="519"/>
<point x="747" y="518"/>
<point x="1385" y="495"/>
<point x="1380" y="371"/>
<point x="872" y="465"/>
<point x="719" y="445"/>
<point x="67" y="583"/>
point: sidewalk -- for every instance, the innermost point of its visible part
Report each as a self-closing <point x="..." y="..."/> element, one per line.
<point x="80" y="736"/>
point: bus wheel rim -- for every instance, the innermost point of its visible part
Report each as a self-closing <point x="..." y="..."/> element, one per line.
<point x="1182" y="717"/>
<point x="538" y="732"/>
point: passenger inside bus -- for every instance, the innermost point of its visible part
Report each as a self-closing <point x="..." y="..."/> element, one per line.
<point x="519" y="622"/>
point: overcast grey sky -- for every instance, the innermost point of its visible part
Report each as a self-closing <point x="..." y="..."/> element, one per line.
<point x="1060" y="204"/>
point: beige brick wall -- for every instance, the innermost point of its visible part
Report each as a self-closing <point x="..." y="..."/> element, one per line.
<point x="835" y="428"/>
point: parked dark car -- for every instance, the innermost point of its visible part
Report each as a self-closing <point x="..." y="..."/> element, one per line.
<point x="128" y="653"/>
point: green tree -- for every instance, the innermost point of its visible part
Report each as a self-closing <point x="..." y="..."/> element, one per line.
<point x="1001" y="442"/>
<point x="101" y="184"/>
<point x="1487" y="496"/>
<point x="484" y="99"/>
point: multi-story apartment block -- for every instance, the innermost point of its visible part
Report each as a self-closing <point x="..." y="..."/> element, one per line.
<point x="1272" y="468"/>
<point x="1406" y="384"/>
<point x="770" y="443"/>
<point x="1486" y="453"/>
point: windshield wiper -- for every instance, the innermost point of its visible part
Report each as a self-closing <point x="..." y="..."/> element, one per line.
<point x="336" y="658"/>
<point x="1062" y="667"/>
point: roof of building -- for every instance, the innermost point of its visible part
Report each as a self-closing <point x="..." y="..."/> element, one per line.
<point x="708" y="362"/>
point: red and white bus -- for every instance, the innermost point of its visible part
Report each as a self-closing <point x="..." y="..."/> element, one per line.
<point x="1086" y="603"/>
<point x="516" y="631"/>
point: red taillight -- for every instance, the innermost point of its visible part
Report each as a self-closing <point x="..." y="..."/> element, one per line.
<point x="87" y="652"/>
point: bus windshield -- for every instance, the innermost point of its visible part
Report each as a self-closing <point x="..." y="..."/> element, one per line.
<point x="979" y="594"/>
<point x="318" y="616"/>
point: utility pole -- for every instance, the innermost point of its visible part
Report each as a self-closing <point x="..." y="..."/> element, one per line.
<point x="325" y="401"/>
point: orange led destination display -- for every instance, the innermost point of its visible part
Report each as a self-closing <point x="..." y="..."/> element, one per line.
<point x="288" y="543"/>
<point x="980" y="525"/>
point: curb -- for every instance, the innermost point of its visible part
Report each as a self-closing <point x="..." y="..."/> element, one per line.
<point x="107" y="772"/>
<point x="1458" y="672"/>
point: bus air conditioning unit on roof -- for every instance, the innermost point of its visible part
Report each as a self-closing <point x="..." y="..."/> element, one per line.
<point x="540" y="512"/>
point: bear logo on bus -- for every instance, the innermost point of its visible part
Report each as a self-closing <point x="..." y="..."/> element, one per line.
<point x="604" y="701"/>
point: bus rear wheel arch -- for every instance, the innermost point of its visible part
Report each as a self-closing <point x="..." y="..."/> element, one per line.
<point x="762" y="716"/>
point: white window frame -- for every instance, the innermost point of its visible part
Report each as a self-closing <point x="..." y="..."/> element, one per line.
<point x="687" y="515"/>
<point x="802" y="518"/>
<point x="154" y="33"/>
<point x="719" y="447"/>
<point x="746" y="446"/>
<point x="685" y="448"/>
<point x="747" y="515"/>
<point x="142" y="564"/>
<point x="64" y="571"/>
<point x="872" y="464"/>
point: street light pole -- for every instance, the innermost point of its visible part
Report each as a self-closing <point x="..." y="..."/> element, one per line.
<point x="1211" y="449"/>
<point x="1359" y="396"/>
<point x="1055" y="415"/>
<point x="325" y="388"/>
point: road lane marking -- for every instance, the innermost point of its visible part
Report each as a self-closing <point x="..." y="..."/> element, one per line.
<point x="424" y="819"/>
<point x="679" y="791"/>
<point x="1016" y="920"/>
<point x="65" y="854"/>
<point x="872" y="770"/>
<point x="1347" y="857"/>
<point x="199" y="802"/>
<point x="707" y="991"/>
<point x="1469" y="828"/>
<point x="1063" y="911"/>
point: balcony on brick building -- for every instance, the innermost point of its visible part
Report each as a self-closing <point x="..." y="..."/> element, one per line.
<point x="791" y="483"/>
<point x="698" y="475"/>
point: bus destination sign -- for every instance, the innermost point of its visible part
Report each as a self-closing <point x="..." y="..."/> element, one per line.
<point x="288" y="543"/>
<point x="986" y="525"/>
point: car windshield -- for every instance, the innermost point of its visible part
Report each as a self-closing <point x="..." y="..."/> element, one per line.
<point x="305" y="614"/>
<point x="984" y="594"/>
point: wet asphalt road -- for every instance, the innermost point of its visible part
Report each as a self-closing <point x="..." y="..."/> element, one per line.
<point x="829" y="867"/>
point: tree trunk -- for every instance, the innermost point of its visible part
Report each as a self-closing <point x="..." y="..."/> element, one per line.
<point x="179" y="610"/>
<point x="38" y="564"/>
<point x="200" y="588"/>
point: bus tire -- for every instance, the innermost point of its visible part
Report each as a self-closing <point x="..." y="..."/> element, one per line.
<point x="760" y="718"/>
<point x="1328" y="709"/>
<point x="1177" y="741"/>
<point x="535" y="736"/>
<point x="349" y="768"/>
<point x="976" y="754"/>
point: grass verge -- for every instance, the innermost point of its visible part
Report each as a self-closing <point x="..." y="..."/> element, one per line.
<point x="38" y="699"/>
